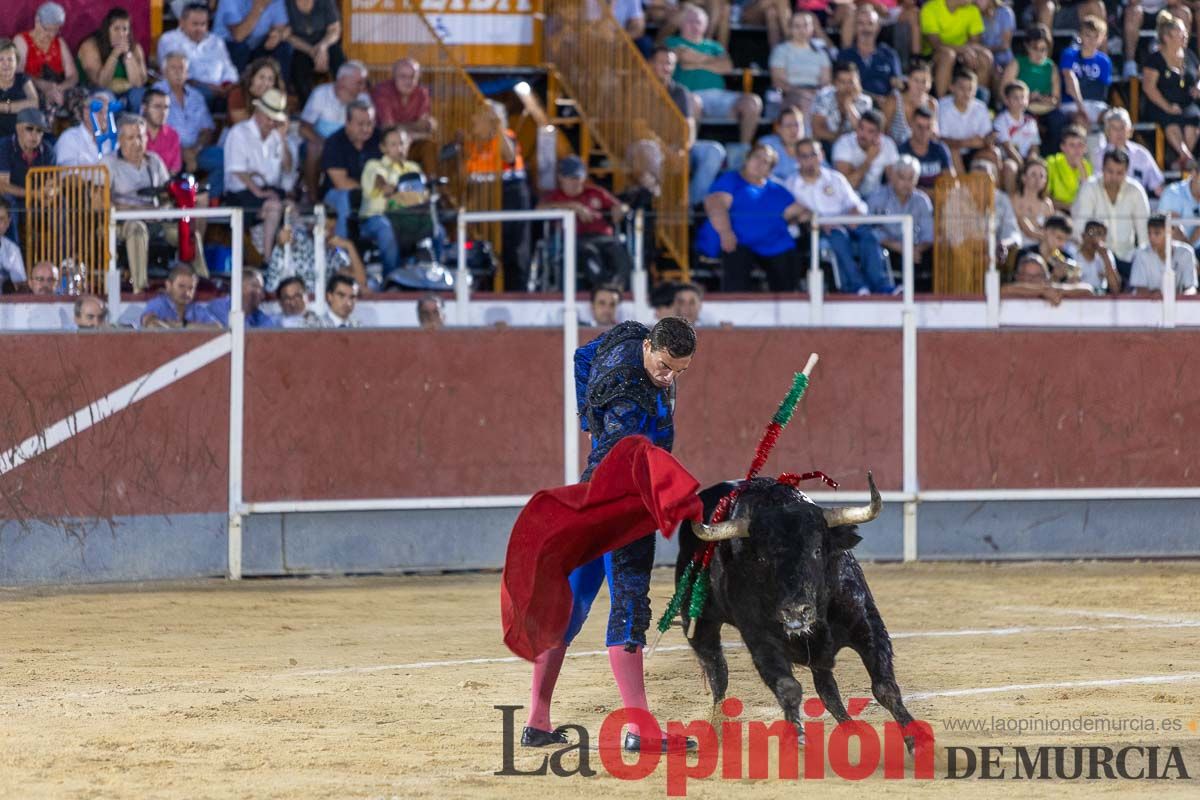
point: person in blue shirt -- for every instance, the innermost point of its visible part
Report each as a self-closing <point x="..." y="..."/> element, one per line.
<point x="1087" y="72"/>
<point x="254" y="28"/>
<point x="624" y="386"/>
<point x="789" y="129"/>
<point x="748" y="218"/>
<point x="878" y="65"/>
<point x="176" y="307"/>
<point x="253" y="294"/>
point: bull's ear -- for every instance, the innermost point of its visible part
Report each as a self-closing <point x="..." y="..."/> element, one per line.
<point x="843" y="537"/>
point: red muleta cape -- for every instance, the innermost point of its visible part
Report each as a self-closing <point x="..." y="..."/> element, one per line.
<point x="636" y="489"/>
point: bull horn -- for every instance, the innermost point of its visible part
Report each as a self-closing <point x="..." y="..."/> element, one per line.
<point x="719" y="532"/>
<point x="856" y="515"/>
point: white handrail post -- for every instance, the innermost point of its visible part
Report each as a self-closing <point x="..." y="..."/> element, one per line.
<point x="909" y="357"/>
<point x="462" y="279"/>
<point x="1169" y="309"/>
<point x="237" y="374"/>
<point x="112" y="279"/>
<point x="816" y="278"/>
<point x="991" y="278"/>
<point x="640" y="279"/>
<point x="570" y="343"/>
<point x="321" y="263"/>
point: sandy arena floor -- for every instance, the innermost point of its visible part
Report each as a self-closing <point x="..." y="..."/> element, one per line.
<point x="361" y="688"/>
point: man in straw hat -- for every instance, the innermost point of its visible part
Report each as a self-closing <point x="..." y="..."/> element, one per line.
<point x="257" y="159"/>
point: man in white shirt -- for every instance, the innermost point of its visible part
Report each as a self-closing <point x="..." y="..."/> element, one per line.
<point x="12" y="265"/>
<point x="826" y="192"/>
<point x="1142" y="166"/>
<point x="1118" y="201"/>
<point x="90" y="140"/>
<point x="1150" y="262"/>
<point x="209" y="66"/>
<point x="1181" y="200"/>
<point x="341" y="295"/>
<point x="866" y="155"/>
<point x="964" y="122"/>
<point x="324" y="114"/>
<point x="257" y="159"/>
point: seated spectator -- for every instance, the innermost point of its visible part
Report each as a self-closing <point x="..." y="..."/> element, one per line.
<point x="632" y="19"/>
<point x="826" y="193"/>
<point x="93" y="138"/>
<point x="1032" y="280"/>
<point x="878" y="64"/>
<point x="668" y="15"/>
<point x="112" y="59"/>
<point x="135" y="176"/>
<point x="293" y="303"/>
<point x="1016" y="132"/>
<point x="341" y="296"/>
<point x="866" y="156"/>
<point x="1097" y="266"/>
<point x="1182" y="199"/>
<point x="344" y="156"/>
<point x="188" y="114"/>
<point x="257" y="161"/>
<point x="325" y="114"/>
<point x="295" y="255"/>
<point x="404" y="102"/>
<point x="429" y="313"/>
<point x="161" y="138"/>
<point x="1068" y="169"/>
<point x="836" y="108"/>
<point x="254" y="28"/>
<point x="999" y="24"/>
<point x="253" y="295"/>
<point x="394" y="214"/>
<point x="1120" y="203"/>
<point x="912" y="95"/>
<point x="21" y="152"/>
<point x="605" y="301"/>
<point x="91" y="313"/>
<point x="43" y="278"/>
<point x="1169" y="79"/>
<point x="705" y="157"/>
<point x="601" y="257"/>
<point x="901" y="18"/>
<point x="1008" y="234"/>
<point x="1053" y="246"/>
<point x="933" y="156"/>
<point x="789" y="129"/>
<point x="17" y="91"/>
<point x="1037" y="70"/>
<point x="747" y="225"/>
<point x="210" y="69"/>
<point x="12" y="264"/>
<point x="1030" y="202"/>
<point x="493" y="149"/>
<point x="1087" y="73"/>
<point x="176" y="306"/>
<point x="773" y="15"/>
<point x="316" y="40"/>
<point x="701" y="64"/>
<point x="259" y="76"/>
<point x="964" y="122"/>
<point x="45" y="57"/>
<point x="689" y="298"/>
<point x="901" y="196"/>
<point x="1150" y="262"/>
<point x="798" y="69"/>
<point x="1135" y="11"/>
<point x="953" y="31"/>
<point x="1142" y="166"/>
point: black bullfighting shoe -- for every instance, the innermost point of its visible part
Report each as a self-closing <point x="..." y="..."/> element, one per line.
<point x="535" y="737"/>
<point x="673" y="744"/>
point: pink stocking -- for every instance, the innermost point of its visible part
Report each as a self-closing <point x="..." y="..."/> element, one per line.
<point x="545" y="675"/>
<point x="627" y="669"/>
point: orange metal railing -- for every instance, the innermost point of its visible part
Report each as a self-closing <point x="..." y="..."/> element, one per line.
<point x="66" y="217"/>
<point x="963" y="207"/>
<point x="622" y="104"/>
<point x="456" y="101"/>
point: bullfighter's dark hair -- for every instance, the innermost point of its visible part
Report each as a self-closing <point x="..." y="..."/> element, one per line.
<point x="675" y="335"/>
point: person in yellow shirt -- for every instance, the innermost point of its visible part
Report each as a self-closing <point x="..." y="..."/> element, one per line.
<point x="953" y="31"/>
<point x="393" y="213"/>
<point x="1068" y="168"/>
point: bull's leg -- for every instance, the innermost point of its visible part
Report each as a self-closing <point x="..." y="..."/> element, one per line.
<point x="831" y="696"/>
<point x="775" y="668"/>
<point x="877" y="658"/>
<point x="706" y="641"/>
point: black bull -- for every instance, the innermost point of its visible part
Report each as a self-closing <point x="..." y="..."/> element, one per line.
<point x="797" y="595"/>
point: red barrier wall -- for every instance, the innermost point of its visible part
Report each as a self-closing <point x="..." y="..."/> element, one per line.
<point x="404" y="413"/>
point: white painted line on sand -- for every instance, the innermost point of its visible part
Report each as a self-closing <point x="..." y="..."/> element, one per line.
<point x="1182" y="677"/>
<point x="1098" y="614"/>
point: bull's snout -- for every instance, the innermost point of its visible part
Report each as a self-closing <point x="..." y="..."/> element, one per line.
<point x="798" y="617"/>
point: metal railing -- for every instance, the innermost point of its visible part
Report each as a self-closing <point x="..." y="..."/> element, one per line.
<point x="66" y="218"/>
<point x="623" y="104"/>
